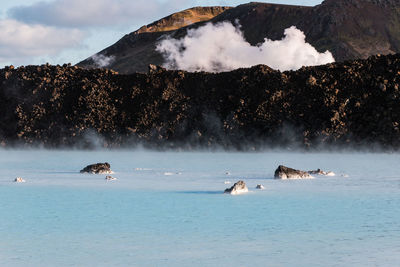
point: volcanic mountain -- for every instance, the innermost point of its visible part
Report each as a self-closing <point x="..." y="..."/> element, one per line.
<point x="348" y="28"/>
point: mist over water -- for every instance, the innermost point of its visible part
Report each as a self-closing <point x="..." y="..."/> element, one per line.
<point x="167" y="209"/>
<point x="222" y="47"/>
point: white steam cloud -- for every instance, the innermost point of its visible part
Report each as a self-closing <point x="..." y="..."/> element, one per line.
<point x="102" y="61"/>
<point x="222" y="47"/>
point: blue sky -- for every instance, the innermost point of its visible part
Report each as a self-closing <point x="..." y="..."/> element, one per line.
<point x="68" y="31"/>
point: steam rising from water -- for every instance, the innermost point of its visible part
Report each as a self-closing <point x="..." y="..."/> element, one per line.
<point x="222" y="47"/>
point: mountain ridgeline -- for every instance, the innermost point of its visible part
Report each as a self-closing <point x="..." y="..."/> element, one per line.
<point x="354" y="103"/>
<point x="350" y="29"/>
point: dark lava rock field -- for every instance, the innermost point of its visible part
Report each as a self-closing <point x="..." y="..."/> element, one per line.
<point x="351" y="104"/>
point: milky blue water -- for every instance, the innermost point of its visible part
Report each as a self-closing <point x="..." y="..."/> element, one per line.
<point x="167" y="209"/>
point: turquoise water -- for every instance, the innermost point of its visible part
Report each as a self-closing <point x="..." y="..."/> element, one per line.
<point x="167" y="209"/>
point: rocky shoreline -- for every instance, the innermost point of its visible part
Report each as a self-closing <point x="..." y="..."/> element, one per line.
<point x="355" y="103"/>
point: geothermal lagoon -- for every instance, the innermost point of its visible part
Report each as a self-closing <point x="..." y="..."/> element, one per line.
<point x="168" y="209"/>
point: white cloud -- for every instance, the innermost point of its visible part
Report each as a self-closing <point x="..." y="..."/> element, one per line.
<point x="20" y="42"/>
<point x="101" y="22"/>
<point x="222" y="47"/>
<point x="94" y="13"/>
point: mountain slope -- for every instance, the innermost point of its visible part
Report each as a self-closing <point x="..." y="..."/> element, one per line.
<point x="348" y="28"/>
<point x="135" y="51"/>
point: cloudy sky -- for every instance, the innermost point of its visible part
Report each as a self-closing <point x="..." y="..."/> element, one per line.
<point x="68" y="31"/>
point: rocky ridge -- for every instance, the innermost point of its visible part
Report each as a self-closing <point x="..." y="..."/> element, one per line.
<point x="355" y="103"/>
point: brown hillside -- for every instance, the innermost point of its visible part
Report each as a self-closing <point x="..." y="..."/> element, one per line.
<point x="135" y="51"/>
<point x="183" y="19"/>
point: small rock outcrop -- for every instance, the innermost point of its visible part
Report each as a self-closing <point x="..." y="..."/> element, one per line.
<point x="321" y="172"/>
<point x="284" y="172"/>
<point x="260" y="187"/>
<point x="153" y="69"/>
<point x="19" y="180"/>
<point x="110" y="178"/>
<point x="98" y="168"/>
<point x="238" y="188"/>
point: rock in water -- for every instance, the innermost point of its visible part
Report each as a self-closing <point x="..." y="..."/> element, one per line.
<point x="238" y="188"/>
<point x="19" y="180"/>
<point x="321" y="172"/>
<point x="110" y="178"/>
<point x="260" y="187"/>
<point x="98" y="168"/>
<point x="288" y="173"/>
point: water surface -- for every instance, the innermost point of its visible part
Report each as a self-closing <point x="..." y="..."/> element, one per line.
<point x="167" y="209"/>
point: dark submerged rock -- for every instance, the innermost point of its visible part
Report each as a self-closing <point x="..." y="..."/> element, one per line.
<point x="98" y="168"/>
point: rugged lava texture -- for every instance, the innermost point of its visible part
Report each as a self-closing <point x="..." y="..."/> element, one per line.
<point x="98" y="168"/>
<point x="350" y="29"/>
<point x="353" y="103"/>
<point x="283" y="172"/>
